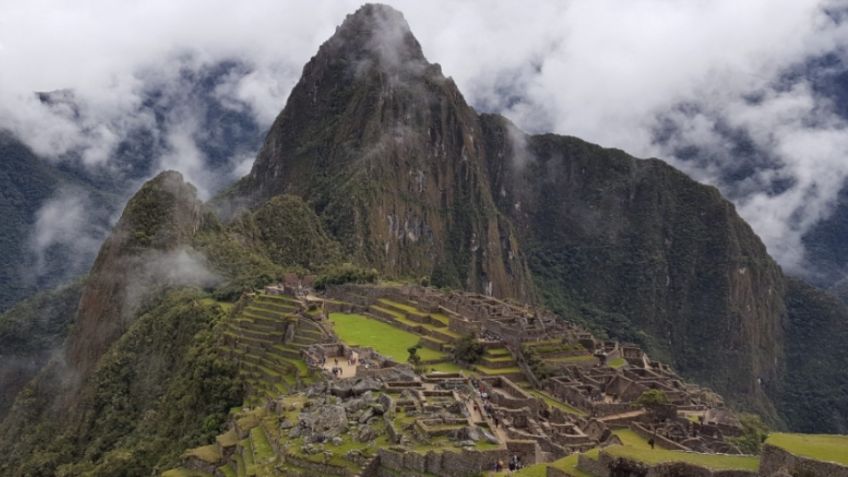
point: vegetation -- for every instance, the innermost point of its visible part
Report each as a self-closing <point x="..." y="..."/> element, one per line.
<point x="468" y="350"/>
<point x="753" y="435"/>
<point x="162" y="388"/>
<point x="386" y="339"/>
<point x="346" y="273"/>
<point x="830" y="448"/>
<point x="817" y="348"/>
<point x="537" y="365"/>
<point x="413" y="357"/>
<point x="653" y="398"/>
<point x="27" y="182"/>
<point x="29" y="334"/>
<point x="710" y="461"/>
<point x="287" y="230"/>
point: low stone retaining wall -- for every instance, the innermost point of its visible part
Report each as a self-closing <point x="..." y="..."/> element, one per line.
<point x="397" y="462"/>
<point x="775" y="461"/>
<point x="661" y="441"/>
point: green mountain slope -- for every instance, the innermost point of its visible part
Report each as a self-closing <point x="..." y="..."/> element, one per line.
<point x="26" y="183"/>
<point x="30" y="333"/>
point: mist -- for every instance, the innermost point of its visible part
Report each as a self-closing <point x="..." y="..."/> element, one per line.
<point x="655" y="78"/>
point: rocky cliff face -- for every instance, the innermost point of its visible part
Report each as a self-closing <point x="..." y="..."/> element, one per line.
<point x="642" y="249"/>
<point x="142" y="254"/>
<point x="386" y="150"/>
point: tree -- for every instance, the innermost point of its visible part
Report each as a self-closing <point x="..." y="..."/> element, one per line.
<point x="468" y="350"/>
<point x="653" y="398"/>
<point x="414" y="359"/>
<point x="754" y="433"/>
<point x="655" y="401"/>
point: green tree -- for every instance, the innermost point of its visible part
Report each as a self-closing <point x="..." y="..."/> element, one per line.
<point x="468" y="350"/>
<point x="414" y="359"/>
<point x="754" y="433"/>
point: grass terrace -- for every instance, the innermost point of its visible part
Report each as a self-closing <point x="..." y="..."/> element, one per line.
<point x="823" y="447"/>
<point x="390" y="341"/>
<point x="631" y="439"/>
<point x="616" y="363"/>
<point x="710" y="461"/>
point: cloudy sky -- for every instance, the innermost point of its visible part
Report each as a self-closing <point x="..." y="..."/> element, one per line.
<point x="654" y="77"/>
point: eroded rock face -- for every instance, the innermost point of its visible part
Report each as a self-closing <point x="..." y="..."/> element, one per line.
<point x="389" y="153"/>
<point x="651" y="251"/>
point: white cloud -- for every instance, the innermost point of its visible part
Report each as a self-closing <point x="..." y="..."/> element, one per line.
<point x="603" y="70"/>
<point x="68" y="220"/>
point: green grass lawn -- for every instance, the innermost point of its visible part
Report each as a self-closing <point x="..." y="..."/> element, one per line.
<point x="386" y="339"/>
<point x="710" y="461"/>
<point x="209" y="453"/>
<point x="631" y="439"/>
<point x="830" y="448"/>
<point x="616" y="363"/>
<point x="261" y="447"/>
<point x="496" y="371"/>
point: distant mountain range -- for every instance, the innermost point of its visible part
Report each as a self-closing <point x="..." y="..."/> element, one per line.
<point x="29" y="183"/>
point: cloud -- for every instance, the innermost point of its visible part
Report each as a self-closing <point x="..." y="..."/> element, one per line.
<point x="71" y="224"/>
<point x="613" y="72"/>
<point x="181" y="267"/>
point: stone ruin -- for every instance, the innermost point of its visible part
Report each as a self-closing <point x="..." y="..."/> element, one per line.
<point x="544" y="389"/>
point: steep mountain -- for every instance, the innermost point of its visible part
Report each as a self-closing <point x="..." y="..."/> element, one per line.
<point x="186" y="107"/>
<point x="387" y="151"/>
<point x="640" y="249"/>
<point x="135" y="260"/>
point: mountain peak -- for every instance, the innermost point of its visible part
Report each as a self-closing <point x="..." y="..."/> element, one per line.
<point x="375" y="35"/>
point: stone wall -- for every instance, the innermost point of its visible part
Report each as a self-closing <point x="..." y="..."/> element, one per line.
<point x="398" y="461"/>
<point x="661" y="441"/>
<point x="775" y="461"/>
